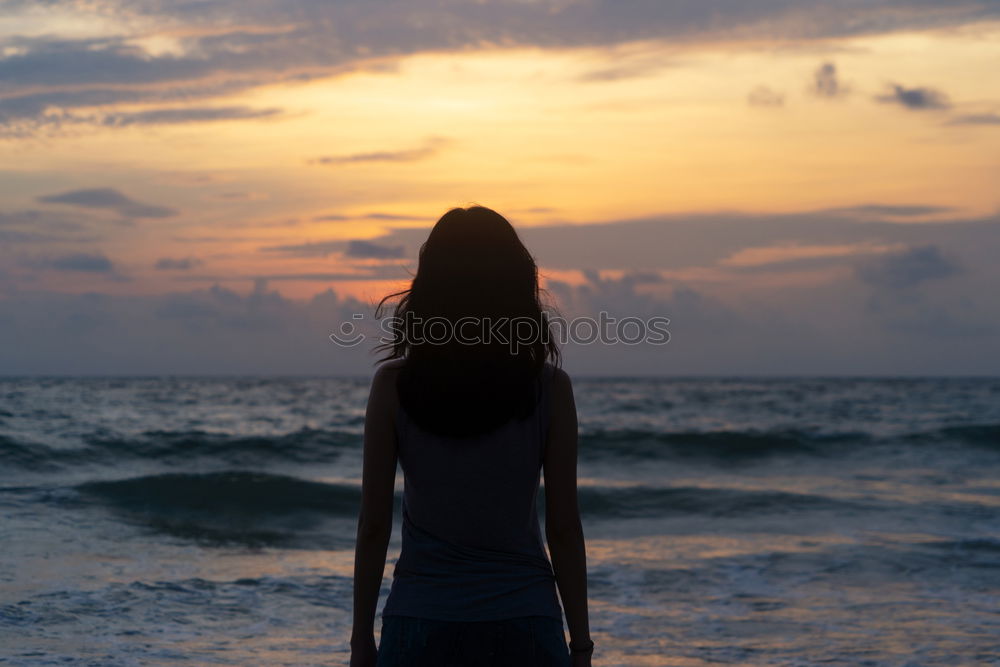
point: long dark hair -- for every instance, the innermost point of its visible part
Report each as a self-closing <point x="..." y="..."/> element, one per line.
<point x="475" y="282"/>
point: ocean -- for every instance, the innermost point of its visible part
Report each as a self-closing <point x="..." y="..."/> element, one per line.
<point x="210" y="521"/>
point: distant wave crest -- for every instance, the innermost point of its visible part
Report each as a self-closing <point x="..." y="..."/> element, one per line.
<point x="170" y="447"/>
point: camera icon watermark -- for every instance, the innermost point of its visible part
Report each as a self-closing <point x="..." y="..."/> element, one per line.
<point x="513" y="332"/>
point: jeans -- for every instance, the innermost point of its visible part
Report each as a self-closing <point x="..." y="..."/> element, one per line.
<point x="529" y="641"/>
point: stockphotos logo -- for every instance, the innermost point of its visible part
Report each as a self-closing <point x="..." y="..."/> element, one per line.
<point x="511" y="331"/>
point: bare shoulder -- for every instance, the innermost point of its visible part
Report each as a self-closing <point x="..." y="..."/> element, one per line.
<point x="383" y="388"/>
<point x="392" y="364"/>
<point x="559" y="375"/>
<point x="561" y="383"/>
<point x="386" y="373"/>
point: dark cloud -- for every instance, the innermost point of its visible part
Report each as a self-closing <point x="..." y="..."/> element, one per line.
<point x="47" y="77"/>
<point x="330" y="276"/>
<point x="359" y="249"/>
<point x="369" y="250"/>
<point x="908" y="268"/>
<point x="26" y="114"/>
<point x="237" y="195"/>
<point x="35" y="218"/>
<point x="432" y="147"/>
<point x="311" y="249"/>
<point x="917" y="99"/>
<point x="35" y="226"/>
<point x="391" y="217"/>
<point x="179" y="264"/>
<point x="186" y="115"/>
<point x="681" y="242"/>
<point x="388" y="272"/>
<point x="976" y="119"/>
<point x="890" y="211"/>
<point x="762" y="96"/>
<point x="77" y="262"/>
<point x="18" y="236"/>
<point x="214" y="331"/>
<point x="826" y="82"/>
<point x="625" y="68"/>
<point x="83" y="262"/>
<point x="538" y="209"/>
<point x="845" y="327"/>
<point x="109" y="199"/>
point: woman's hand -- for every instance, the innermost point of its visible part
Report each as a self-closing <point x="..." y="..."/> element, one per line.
<point x="363" y="653"/>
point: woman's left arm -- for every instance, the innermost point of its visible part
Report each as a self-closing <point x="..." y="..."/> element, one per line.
<point x="378" y="480"/>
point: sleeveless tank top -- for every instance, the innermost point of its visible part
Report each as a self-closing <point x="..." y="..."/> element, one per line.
<point x="471" y="545"/>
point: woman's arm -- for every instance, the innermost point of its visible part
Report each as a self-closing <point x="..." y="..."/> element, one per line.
<point x="563" y="529"/>
<point x="378" y="479"/>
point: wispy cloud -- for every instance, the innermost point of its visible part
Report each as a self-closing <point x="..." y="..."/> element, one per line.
<point x="762" y="96"/>
<point x="77" y="262"/>
<point x="626" y="66"/>
<point x="108" y="199"/>
<point x="390" y="217"/>
<point x="891" y="211"/>
<point x="237" y="195"/>
<point x="431" y="148"/>
<point x="368" y="250"/>
<point x="908" y="268"/>
<point x="186" y="115"/>
<point x="916" y="99"/>
<point x="976" y="119"/>
<point x="36" y="226"/>
<point x="310" y="249"/>
<point x="786" y="253"/>
<point x="178" y="264"/>
<point x="356" y="248"/>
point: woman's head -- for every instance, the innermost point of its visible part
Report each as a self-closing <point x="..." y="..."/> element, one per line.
<point x="476" y="278"/>
<point x="472" y="317"/>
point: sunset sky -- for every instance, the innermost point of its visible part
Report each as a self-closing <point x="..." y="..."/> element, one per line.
<point x="215" y="185"/>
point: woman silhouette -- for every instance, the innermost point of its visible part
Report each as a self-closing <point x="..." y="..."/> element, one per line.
<point x="471" y="401"/>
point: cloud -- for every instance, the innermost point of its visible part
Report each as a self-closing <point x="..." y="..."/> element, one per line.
<point x="976" y="119"/>
<point x="236" y="195"/>
<point x="679" y="242"/>
<point x="762" y="96"/>
<point x="791" y="253"/>
<point x="79" y="262"/>
<point x="625" y="67"/>
<point x="892" y="211"/>
<point x="369" y="250"/>
<point x="89" y="263"/>
<point x="186" y="115"/>
<point x="431" y="148"/>
<point x="206" y="331"/>
<point x="826" y="82"/>
<point x="49" y="77"/>
<point x="908" y="268"/>
<point x="829" y="329"/>
<point x="179" y="264"/>
<point x="392" y="217"/>
<point x="310" y="249"/>
<point x="368" y="273"/>
<point x="917" y="99"/>
<point x="18" y="236"/>
<point x="35" y="226"/>
<point x="358" y="249"/>
<point x="110" y="199"/>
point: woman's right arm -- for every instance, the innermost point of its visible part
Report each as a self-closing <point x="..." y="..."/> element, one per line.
<point x="563" y="530"/>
